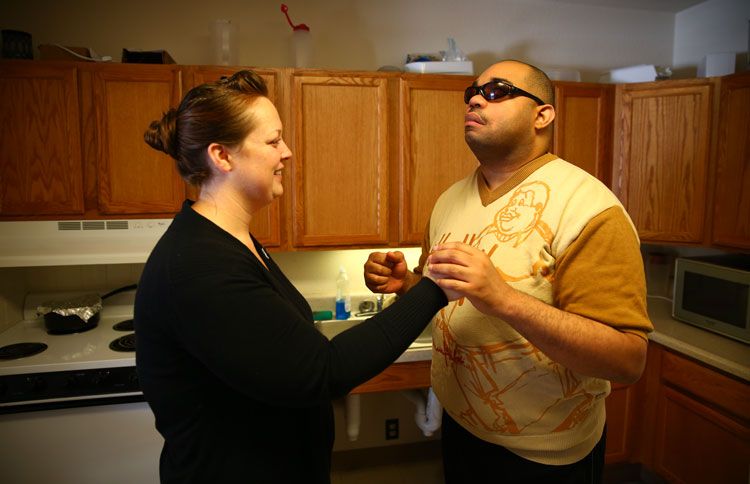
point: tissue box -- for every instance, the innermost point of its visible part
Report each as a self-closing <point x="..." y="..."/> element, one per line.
<point x="639" y="73"/>
<point x="463" y="67"/>
<point x="718" y="64"/>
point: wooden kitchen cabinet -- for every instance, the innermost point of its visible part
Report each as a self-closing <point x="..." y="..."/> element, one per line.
<point x="72" y="141"/>
<point x="583" y="126"/>
<point x="702" y="425"/>
<point x="41" y="164"/>
<point x="268" y="221"/>
<point x="662" y="157"/>
<point x="691" y="422"/>
<point x="731" y="207"/>
<point x="434" y="154"/>
<point x="342" y="131"/>
<point x="620" y="404"/>
<point x="131" y="177"/>
<point x="371" y="151"/>
<point x="683" y="420"/>
<point x="398" y="376"/>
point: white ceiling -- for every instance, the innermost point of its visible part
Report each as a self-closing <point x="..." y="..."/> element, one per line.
<point x="673" y="6"/>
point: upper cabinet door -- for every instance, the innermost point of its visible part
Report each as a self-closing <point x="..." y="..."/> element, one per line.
<point x="662" y="142"/>
<point x="132" y="177"/>
<point x="583" y="127"/>
<point x="340" y="160"/>
<point x="434" y="153"/>
<point x="731" y="218"/>
<point x="41" y="167"/>
<point x="266" y="223"/>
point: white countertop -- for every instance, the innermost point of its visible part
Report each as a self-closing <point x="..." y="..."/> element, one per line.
<point x="710" y="348"/>
<point x="715" y="350"/>
<point x="416" y="353"/>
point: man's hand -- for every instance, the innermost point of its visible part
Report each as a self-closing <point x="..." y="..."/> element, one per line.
<point x="386" y="272"/>
<point x="578" y="343"/>
<point x="463" y="270"/>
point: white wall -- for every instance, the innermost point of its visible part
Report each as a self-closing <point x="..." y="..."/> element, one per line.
<point x="358" y="34"/>
<point x="17" y="282"/>
<point x="314" y="273"/>
<point x="710" y="27"/>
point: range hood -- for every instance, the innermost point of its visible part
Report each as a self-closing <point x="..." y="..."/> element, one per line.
<point x="78" y="242"/>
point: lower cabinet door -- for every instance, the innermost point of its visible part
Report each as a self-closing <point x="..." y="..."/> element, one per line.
<point x="618" y="407"/>
<point x="697" y="444"/>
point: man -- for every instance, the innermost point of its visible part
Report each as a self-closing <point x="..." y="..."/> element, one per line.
<point x="554" y="304"/>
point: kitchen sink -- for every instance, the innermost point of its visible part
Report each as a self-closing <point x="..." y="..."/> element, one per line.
<point x="332" y="327"/>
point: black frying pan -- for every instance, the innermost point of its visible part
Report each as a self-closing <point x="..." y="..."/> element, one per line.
<point x="72" y="323"/>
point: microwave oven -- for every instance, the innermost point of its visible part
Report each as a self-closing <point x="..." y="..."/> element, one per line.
<point x="713" y="292"/>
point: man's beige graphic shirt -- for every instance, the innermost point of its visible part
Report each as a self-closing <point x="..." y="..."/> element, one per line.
<point x="557" y="233"/>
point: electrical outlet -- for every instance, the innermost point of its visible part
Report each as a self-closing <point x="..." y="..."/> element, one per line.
<point x="391" y="429"/>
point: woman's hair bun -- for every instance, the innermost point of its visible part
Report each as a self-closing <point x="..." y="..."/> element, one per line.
<point x="162" y="135"/>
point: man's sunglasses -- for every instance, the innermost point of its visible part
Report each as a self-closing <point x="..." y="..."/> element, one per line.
<point x="494" y="90"/>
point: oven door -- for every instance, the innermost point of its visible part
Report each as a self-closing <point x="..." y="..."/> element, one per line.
<point x="112" y="441"/>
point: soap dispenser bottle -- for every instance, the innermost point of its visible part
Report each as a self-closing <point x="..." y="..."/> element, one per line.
<point x="343" y="299"/>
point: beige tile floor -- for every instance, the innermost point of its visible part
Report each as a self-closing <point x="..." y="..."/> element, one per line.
<point x="421" y="464"/>
<point x="402" y="464"/>
<point x="406" y="473"/>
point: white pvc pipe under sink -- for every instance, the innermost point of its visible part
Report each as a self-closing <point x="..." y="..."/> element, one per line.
<point x="352" y="416"/>
<point x="429" y="414"/>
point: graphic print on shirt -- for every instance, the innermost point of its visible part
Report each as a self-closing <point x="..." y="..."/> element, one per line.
<point x="499" y="379"/>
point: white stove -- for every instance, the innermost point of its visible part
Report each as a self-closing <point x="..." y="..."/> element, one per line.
<point x="72" y="366"/>
<point x="77" y="404"/>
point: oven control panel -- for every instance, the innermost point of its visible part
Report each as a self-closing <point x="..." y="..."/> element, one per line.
<point x="38" y="388"/>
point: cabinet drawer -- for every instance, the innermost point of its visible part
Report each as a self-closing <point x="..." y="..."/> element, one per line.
<point x="721" y="391"/>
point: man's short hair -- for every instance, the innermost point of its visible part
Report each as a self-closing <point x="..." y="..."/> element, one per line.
<point x="540" y="84"/>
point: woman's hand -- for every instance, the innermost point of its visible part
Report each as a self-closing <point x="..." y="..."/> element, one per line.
<point x="386" y="272"/>
<point x="462" y="270"/>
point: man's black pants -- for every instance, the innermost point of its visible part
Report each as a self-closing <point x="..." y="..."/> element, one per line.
<point x="468" y="460"/>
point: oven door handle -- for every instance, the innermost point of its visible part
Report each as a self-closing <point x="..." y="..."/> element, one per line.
<point x="18" y="407"/>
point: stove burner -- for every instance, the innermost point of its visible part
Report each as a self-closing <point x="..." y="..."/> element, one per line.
<point x="123" y="343"/>
<point x="20" y="350"/>
<point x="74" y="329"/>
<point x="126" y="325"/>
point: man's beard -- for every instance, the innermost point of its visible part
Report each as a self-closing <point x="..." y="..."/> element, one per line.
<point x="485" y="149"/>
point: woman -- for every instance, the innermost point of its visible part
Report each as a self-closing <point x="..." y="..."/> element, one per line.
<point x="228" y="358"/>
